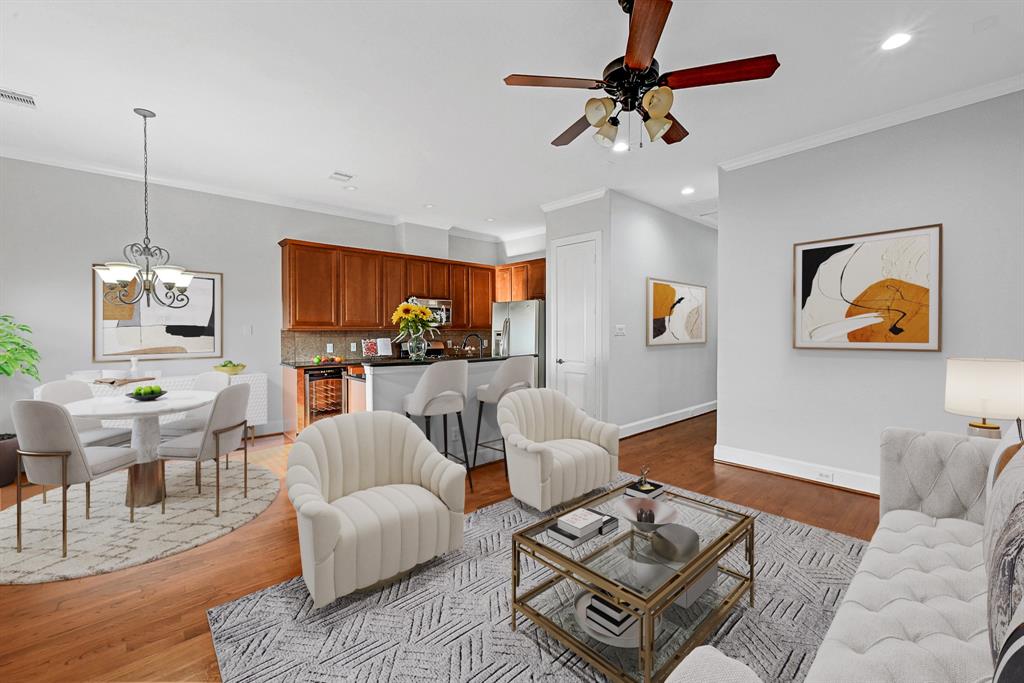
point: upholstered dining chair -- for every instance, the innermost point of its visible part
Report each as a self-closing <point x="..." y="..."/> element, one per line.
<point x="373" y="499"/>
<point x="51" y="451"/>
<point x="441" y="390"/>
<point x="223" y="433"/>
<point x="555" y="452"/>
<point x="197" y="418"/>
<point x="514" y="373"/>
<point x="91" y="431"/>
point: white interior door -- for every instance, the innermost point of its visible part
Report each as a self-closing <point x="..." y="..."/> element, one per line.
<point x="575" y="321"/>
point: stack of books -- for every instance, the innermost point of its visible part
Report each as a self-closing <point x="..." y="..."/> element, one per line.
<point x="581" y="525"/>
<point x="604" y="617"/>
<point x="653" y="490"/>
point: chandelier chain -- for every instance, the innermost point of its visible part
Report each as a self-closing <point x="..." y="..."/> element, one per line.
<point x="145" y="178"/>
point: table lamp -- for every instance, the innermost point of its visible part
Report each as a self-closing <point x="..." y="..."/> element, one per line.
<point x="989" y="388"/>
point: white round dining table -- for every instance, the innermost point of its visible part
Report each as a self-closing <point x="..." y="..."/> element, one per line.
<point x="145" y="416"/>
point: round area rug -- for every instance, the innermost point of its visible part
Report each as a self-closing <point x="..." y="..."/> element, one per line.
<point x="108" y="541"/>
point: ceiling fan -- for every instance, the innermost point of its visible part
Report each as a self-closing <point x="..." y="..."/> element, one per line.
<point x="633" y="82"/>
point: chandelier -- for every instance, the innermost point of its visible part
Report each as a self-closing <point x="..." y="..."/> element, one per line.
<point x="145" y="265"/>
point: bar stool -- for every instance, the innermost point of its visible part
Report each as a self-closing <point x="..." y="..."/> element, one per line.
<point x="442" y="391"/>
<point x="515" y="373"/>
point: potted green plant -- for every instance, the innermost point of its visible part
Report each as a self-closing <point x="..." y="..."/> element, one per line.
<point x="17" y="356"/>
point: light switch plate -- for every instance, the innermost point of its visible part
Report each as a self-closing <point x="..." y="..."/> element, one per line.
<point x="352" y="346"/>
<point x="485" y="343"/>
<point x="620" y="330"/>
<point x="330" y="348"/>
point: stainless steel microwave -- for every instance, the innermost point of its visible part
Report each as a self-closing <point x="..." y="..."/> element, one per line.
<point x="441" y="308"/>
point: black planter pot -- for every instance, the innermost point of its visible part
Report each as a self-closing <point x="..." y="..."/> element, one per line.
<point x="8" y="458"/>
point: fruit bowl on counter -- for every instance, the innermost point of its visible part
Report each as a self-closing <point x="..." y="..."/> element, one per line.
<point x="230" y="367"/>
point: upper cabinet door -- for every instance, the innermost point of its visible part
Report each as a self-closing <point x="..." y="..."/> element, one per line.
<point x="536" y="279"/>
<point x="393" y="288"/>
<point x="460" y="296"/>
<point x="503" y="283"/>
<point x="311" y="287"/>
<point x="519" y="282"/>
<point x="417" y="278"/>
<point x="361" y="297"/>
<point x="439" y="286"/>
<point x="481" y="296"/>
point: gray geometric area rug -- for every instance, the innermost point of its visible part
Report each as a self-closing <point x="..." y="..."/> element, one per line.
<point x="449" y="620"/>
<point x="107" y="541"/>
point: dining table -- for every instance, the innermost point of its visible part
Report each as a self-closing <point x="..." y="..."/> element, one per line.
<point x="146" y="474"/>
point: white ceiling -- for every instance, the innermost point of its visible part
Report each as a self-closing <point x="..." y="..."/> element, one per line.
<point x="266" y="100"/>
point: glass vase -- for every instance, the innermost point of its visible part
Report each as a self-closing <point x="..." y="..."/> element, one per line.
<point x="417" y="347"/>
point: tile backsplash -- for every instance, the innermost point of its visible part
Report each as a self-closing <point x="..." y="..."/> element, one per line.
<point x="302" y="346"/>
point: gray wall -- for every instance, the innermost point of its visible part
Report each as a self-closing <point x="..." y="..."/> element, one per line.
<point x="646" y="383"/>
<point x="964" y="169"/>
<point x="477" y="251"/>
<point x="645" y="387"/>
<point x="55" y="222"/>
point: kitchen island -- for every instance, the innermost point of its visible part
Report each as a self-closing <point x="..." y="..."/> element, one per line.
<point x="388" y="381"/>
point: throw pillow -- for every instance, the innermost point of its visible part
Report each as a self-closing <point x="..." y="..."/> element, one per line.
<point x="1010" y="665"/>
<point x="1007" y="448"/>
<point x="1004" y="525"/>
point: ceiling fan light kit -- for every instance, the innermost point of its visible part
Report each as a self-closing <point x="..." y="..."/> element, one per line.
<point x="635" y="83"/>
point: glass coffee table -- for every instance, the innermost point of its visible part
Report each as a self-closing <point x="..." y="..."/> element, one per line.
<point x="676" y="605"/>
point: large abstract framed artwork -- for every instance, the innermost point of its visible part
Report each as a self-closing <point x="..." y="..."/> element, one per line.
<point x="676" y="313"/>
<point x="880" y="291"/>
<point x="156" y="332"/>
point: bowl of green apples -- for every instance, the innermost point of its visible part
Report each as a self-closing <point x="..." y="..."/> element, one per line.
<point x="230" y="367"/>
<point x="147" y="393"/>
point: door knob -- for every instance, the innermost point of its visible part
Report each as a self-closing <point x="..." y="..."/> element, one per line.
<point x="560" y="361"/>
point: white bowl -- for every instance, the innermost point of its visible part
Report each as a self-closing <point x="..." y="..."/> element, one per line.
<point x="663" y="512"/>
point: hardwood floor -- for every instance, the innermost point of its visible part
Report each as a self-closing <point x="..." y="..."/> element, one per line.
<point x="148" y="623"/>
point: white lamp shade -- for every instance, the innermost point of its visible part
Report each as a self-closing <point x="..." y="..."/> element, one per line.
<point x="168" y="274"/>
<point x="184" y="279"/>
<point x="985" y="387"/>
<point x="105" y="274"/>
<point x="657" y="127"/>
<point x="597" y="110"/>
<point x="658" y="101"/>
<point x="607" y="134"/>
<point x="121" y="271"/>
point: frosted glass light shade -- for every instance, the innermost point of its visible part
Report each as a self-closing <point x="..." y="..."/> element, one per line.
<point x="657" y="127"/>
<point x="607" y="134"/>
<point x="597" y="110"/>
<point x="658" y="101"/>
<point x="184" y="279"/>
<point x="985" y="387"/>
<point x="168" y="274"/>
<point x="105" y="274"/>
<point x="121" y="271"/>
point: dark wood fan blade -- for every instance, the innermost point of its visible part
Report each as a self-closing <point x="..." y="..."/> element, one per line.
<point x="726" y="72"/>
<point x="554" y="82"/>
<point x="646" y="22"/>
<point x="675" y="133"/>
<point x="571" y="133"/>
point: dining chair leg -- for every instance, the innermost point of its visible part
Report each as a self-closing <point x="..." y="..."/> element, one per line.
<point x="88" y="497"/>
<point x="217" y="514"/>
<point x="462" y="435"/>
<point x="17" y="479"/>
<point x="479" y="420"/>
<point x="131" y="497"/>
<point x="444" y="428"/>
<point x="163" y="486"/>
<point x="426" y="420"/>
<point x="245" y="470"/>
<point x="504" y="457"/>
<point x="44" y="494"/>
<point x="64" y="506"/>
<point x="227" y="457"/>
<point x="199" y="477"/>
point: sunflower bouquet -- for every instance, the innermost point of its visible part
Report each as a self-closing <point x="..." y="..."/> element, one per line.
<point x="413" y="320"/>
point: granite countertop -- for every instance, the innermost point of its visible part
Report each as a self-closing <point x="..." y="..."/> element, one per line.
<point x="382" y="362"/>
<point x="311" y="364"/>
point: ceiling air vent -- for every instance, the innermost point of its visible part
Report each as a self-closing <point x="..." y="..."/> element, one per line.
<point x="19" y="98"/>
<point x="341" y="176"/>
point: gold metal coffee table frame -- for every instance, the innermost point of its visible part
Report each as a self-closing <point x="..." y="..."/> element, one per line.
<point x="646" y="609"/>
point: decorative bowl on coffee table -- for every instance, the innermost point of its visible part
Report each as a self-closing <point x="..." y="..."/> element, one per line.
<point x="664" y="513"/>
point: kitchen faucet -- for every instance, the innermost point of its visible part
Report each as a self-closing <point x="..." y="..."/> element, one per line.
<point x="480" y="345"/>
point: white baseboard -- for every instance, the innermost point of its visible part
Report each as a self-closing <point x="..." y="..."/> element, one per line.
<point x="650" y="423"/>
<point x="823" y="474"/>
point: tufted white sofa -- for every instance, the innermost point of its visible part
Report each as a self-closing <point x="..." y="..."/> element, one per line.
<point x="916" y="608"/>
<point x="373" y="499"/>
<point x="555" y="452"/>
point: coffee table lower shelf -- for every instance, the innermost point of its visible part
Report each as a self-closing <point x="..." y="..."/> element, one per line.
<point x="551" y="606"/>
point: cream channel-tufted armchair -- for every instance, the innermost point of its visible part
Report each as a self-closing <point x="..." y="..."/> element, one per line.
<point x="555" y="452"/>
<point x="373" y="499"/>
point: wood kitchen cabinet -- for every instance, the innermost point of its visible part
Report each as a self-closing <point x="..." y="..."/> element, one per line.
<point x="311" y="293"/>
<point x="481" y="296"/>
<point x="536" y="279"/>
<point x="460" y="295"/>
<point x="362" y="300"/>
<point x="440" y="288"/>
<point x="417" y="278"/>
<point x="520" y="281"/>
<point x="393" y="290"/>
<point x="503" y="283"/>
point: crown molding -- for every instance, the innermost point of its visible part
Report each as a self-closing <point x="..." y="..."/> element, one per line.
<point x="895" y="118"/>
<point x="531" y="232"/>
<point x="473" y="235"/>
<point x="573" y="200"/>
<point x="273" y="200"/>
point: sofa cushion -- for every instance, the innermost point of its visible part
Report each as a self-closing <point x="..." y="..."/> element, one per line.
<point x="577" y="467"/>
<point x="1004" y="548"/>
<point x="915" y="610"/>
<point x="386" y="530"/>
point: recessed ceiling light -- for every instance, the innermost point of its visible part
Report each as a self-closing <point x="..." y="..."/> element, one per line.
<point x="428" y="206"/>
<point x="620" y="146"/>
<point x="687" y="190"/>
<point x="351" y="187"/>
<point x="490" y="220"/>
<point x="896" y="40"/>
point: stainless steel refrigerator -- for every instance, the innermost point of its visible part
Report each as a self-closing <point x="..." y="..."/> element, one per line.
<point x="517" y="328"/>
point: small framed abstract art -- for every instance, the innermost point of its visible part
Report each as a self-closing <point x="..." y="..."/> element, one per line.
<point x="877" y="291"/>
<point x="676" y="313"/>
<point x="158" y="333"/>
